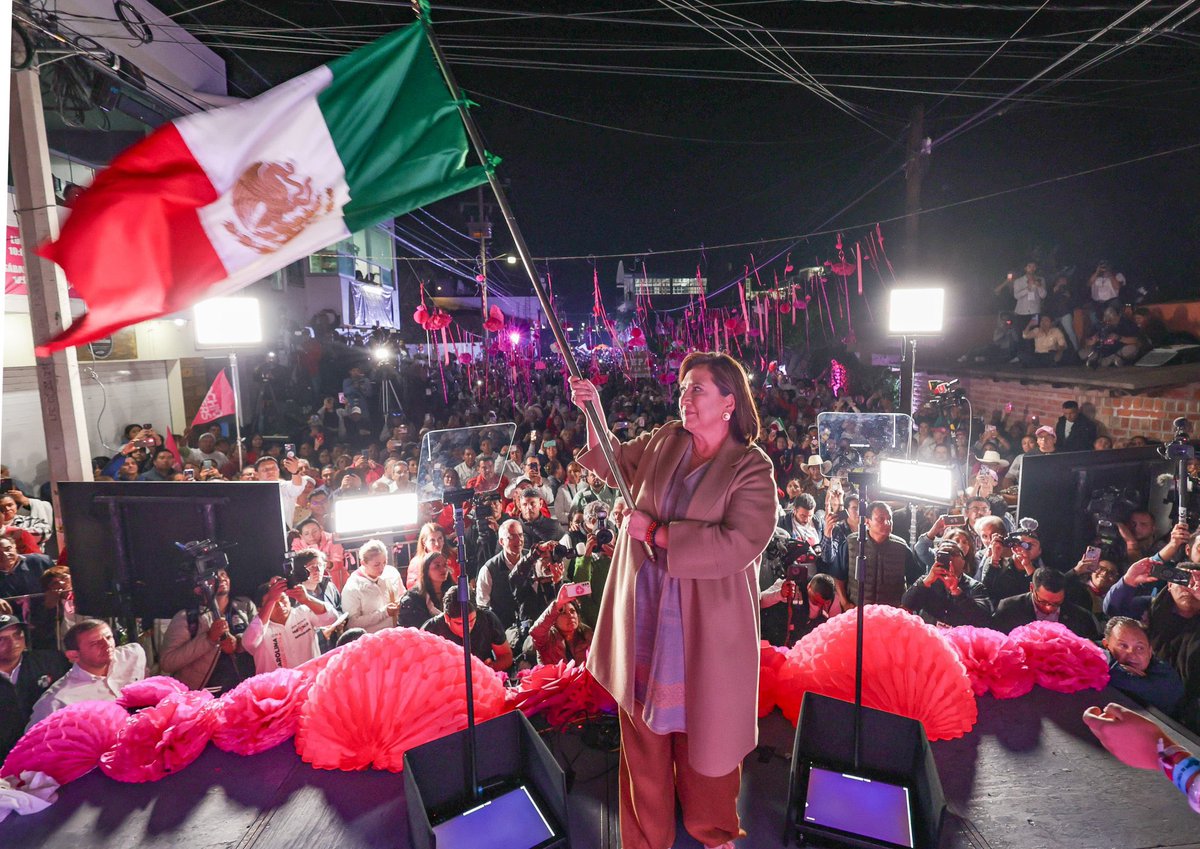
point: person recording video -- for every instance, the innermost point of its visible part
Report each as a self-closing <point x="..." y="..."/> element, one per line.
<point x="204" y="650"/>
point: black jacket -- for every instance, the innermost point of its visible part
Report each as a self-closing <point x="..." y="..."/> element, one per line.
<point x="935" y="604"/>
<point x="39" y="669"/>
<point x="1018" y="610"/>
<point x="1083" y="434"/>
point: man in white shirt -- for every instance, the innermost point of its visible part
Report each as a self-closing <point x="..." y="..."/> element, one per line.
<point x="1029" y="290"/>
<point x="284" y="635"/>
<point x="206" y="450"/>
<point x="290" y="491"/>
<point x="565" y="496"/>
<point x="469" y="467"/>
<point x="100" y="670"/>
<point x="371" y="597"/>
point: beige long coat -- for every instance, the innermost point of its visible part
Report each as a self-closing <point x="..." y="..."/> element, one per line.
<point x="714" y="552"/>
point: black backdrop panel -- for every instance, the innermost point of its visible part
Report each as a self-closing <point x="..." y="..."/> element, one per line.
<point x="1056" y="488"/>
<point x="136" y="550"/>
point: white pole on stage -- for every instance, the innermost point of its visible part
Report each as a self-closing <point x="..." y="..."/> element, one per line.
<point x="237" y="407"/>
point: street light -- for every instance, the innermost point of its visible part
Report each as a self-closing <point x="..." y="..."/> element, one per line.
<point x="511" y="259"/>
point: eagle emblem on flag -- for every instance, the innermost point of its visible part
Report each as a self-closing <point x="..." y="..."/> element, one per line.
<point x="273" y="205"/>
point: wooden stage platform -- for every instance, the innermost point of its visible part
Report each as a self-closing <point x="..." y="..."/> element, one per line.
<point x="1029" y="776"/>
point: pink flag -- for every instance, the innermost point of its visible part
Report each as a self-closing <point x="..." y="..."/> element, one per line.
<point x="217" y="403"/>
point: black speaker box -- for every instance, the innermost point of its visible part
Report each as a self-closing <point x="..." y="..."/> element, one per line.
<point x="524" y="804"/>
<point x="895" y="753"/>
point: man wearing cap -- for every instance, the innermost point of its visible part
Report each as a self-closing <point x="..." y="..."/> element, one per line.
<point x="290" y="491"/>
<point x="1074" y="431"/>
<point x="101" y="669"/>
<point x="24" y="675"/>
<point x="206" y="450"/>
<point x="1045" y="445"/>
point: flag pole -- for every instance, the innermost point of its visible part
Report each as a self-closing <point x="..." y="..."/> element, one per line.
<point x="599" y="426"/>
<point x="237" y="410"/>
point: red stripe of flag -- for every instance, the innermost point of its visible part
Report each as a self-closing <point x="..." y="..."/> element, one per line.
<point x="133" y="246"/>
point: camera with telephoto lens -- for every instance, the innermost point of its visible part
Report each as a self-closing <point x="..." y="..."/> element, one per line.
<point x="294" y="573"/>
<point x="1175" y="573"/>
<point x="604" y="534"/>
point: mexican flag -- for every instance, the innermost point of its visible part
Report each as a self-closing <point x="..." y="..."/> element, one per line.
<point x="212" y="202"/>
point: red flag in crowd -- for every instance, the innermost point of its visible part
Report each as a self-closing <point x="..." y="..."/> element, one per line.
<point x="217" y="403"/>
<point x="170" y="445"/>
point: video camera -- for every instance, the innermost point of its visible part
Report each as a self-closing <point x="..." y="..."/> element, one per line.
<point x="1112" y="506"/>
<point x="204" y="557"/>
<point x="294" y="573"/>
<point x="946" y="392"/>
<point x="790" y="558"/>
<point x="1022" y="537"/>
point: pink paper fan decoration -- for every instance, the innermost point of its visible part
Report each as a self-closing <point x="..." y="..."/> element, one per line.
<point x="907" y="669"/>
<point x="771" y="660"/>
<point x="386" y="693"/>
<point x="261" y="712"/>
<point x="465" y="359"/>
<point x="161" y="740"/>
<point x="150" y="691"/>
<point x="994" y="661"/>
<point x="637" y="339"/>
<point x="563" y="691"/>
<point x="69" y="742"/>
<point x="1060" y="659"/>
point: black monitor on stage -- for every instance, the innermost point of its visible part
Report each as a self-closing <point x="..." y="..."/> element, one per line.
<point x="122" y="541"/>
<point x="1057" y="488"/>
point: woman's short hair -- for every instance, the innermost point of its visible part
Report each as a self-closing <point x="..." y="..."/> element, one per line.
<point x="730" y="378"/>
<point x="372" y="546"/>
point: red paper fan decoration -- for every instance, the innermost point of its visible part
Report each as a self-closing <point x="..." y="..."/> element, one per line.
<point x="261" y="712"/>
<point x="907" y="669"/>
<point x="386" y="693"/>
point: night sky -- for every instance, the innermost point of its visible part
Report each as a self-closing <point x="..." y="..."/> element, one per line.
<point x="736" y="151"/>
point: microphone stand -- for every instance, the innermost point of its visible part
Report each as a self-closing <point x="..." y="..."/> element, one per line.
<point x="456" y="498"/>
<point x="860" y="573"/>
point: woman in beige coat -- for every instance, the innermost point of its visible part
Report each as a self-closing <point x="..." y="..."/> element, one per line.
<point x="677" y="643"/>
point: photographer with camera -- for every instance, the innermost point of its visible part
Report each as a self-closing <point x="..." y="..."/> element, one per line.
<point x="946" y="595"/>
<point x="595" y="558"/>
<point x="1008" y="561"/>
<point x="1172" y="613"/>
<point x="204" y="650"/>
<point x="284" y="633"/>
<point x="538" y="527"/>
<point x="798" y="522"/>
<point x="788" y="608"/>
<point x="1046" y="601"/>
<point x="559" y="633"/>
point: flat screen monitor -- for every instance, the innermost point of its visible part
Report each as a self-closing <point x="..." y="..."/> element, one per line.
<point x="512" y="820"/>
<point x="859" y="807"/>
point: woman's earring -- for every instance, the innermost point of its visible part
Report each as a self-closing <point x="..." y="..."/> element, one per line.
<point x="726" y="416"/>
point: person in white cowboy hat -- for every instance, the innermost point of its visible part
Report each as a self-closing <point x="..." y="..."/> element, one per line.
<point x="991" y="459"/>
<point x="815" y="482"/>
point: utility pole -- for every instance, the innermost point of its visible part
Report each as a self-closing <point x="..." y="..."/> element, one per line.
<point x="914" y="169"/>
<point x="481" y="229"/>
<point x="49" y="308"/>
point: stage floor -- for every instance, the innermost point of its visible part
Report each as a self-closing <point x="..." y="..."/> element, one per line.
<point x="1028" y="776"/>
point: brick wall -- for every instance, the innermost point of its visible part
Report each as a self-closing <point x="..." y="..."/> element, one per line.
<point x="1119" y="416"/>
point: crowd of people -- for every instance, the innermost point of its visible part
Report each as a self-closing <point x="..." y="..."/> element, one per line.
<point x="1096" y="321"/>
<point x="539" y="547"/>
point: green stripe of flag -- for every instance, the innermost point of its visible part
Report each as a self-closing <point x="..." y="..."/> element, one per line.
<point x="396" y="129"/>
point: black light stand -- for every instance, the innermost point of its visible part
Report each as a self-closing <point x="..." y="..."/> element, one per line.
<point x="1182" y="451"/>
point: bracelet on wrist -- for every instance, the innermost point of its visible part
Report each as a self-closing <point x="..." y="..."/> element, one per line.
<point x="651" y="529"/>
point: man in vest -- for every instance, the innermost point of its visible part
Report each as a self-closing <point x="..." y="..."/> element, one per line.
<point x="890" y="565"/>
